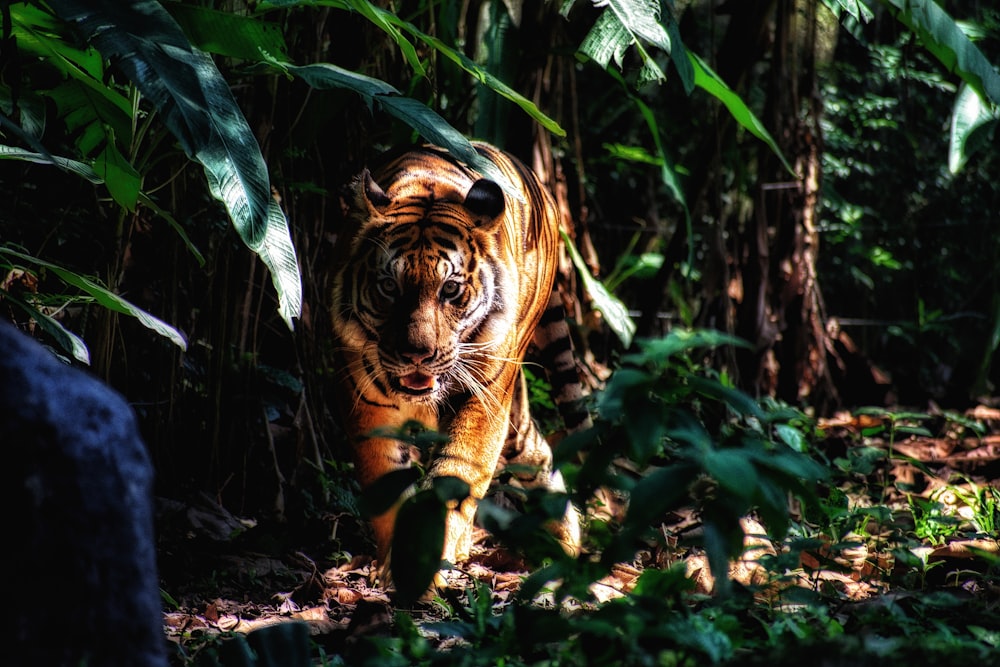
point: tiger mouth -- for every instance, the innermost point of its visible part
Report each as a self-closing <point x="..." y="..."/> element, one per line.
<point x="416" y="383"/>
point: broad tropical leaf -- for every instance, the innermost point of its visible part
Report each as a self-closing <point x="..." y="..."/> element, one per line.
<point x="857" y="9"/>
<point x="395" y="26"/>
<point x="626" y="23"/>
<point x="197" y="106"/>
<point x="74" y="166"/>
<point x="710" y="82"/>
<point x="969" y="115"/>
<point x="229" y="34"/>
<point x="278" y="254"/>
<point x="120" y="177"/>
<point x="679" y="56"/>
<point x="945" y="40"/>
<point x="611" y="307"/>
<point x="425" y="121"/>
<point x="104" y="297"/>
<point x="40" y="33"/>
<point x="92" y="110"/>
<point x="66" y="339"/>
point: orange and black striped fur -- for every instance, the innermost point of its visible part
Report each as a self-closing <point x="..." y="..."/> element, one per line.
<point x="443" y="281"/>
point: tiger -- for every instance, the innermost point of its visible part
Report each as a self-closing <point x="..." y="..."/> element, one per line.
<point x="442" y="282"/>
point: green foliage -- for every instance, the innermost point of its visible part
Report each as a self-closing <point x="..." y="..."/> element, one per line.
<point x="709" y="81"/>
<point x="419" y="535"/>
<point x="911" y="272"/>
<point x="610" y="306"/>
<point x="690" y="439"/>
<point x="196" y="105"/>
<point x="972" y="121"/>
<point x="623" y="24"/>
<point x="99" y="294"/>
<point x="394" y="26"/>
<point x="931" y="522"/>
<point x="108" y="125"/>
<point x="634" y="23"/>
<point x="711" y="441"/>
<point x="943" y="37"/>
<point x="65" y="338"/>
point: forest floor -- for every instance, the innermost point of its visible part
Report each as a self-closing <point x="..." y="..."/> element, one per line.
<point x="929" y="495"/>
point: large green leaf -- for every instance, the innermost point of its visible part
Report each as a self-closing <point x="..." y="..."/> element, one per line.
<point x="856" y="8"/>
<point x="394" y="26"/>
<point x="428" y="123"/>
<point x="66" y="339"/>
<point x="74" y="166"/>
<point x="614" y="311"/>
<point x="121" y="178"/>
<point x="40" y="33"/>
<point x="278" y="254"/>
<point x="969" y="114"/>
<point x="91" y="109"/>
<point x="229" y="34"/>
<point x="945" y="40"/>
<point x="103" y="296"/>
<point x="197" y="106"/>
<point x="626" y="23"/>
<point x="710" y="82"/>
<point x="93" y="113"/>
<point x="679" y="57"/>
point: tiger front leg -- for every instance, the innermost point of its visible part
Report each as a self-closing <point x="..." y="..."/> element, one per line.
<point x="471" y="454"/>
<point x="375" y="457"/>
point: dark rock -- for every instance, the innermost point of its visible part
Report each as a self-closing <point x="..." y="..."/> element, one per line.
<point x="80" y="574"/>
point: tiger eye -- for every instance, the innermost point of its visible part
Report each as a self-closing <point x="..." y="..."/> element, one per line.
<point x="387" y="287"/>
<point x="451" y="289"/>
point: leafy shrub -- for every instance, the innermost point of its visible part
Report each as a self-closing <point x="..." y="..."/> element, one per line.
<point x="687" y="437"/>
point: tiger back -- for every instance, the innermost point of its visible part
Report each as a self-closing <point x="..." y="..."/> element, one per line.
<point x="441" y="281"/>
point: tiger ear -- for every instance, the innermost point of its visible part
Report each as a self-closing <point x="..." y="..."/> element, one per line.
<point x="368" y="195"/>
<point x="485" y="199"/>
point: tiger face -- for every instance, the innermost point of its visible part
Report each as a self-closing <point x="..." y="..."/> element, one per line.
<point x="427" y="299"/>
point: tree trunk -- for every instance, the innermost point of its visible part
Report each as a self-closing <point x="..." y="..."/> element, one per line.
<point x="781" y="312"/>
<point x="759" y="272"/>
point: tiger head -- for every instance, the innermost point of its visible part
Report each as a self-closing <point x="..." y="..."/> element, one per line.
<point x="422" y="295"/>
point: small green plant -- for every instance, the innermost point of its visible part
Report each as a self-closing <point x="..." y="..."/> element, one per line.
<point x="932" y="521"/>
<point x="984" y="505"/>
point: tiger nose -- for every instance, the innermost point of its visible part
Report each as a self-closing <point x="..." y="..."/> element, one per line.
<point x="417" y="355"/>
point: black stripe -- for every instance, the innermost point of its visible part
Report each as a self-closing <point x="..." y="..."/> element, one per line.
<point x="564" y="378"/>
<point x="399" y="243"/>
<point x="448" y="228"/>
<point x="552" y="315"/>
<point x="553" y="349"/>
<point x="573" y="419"/>
<point x="444" y="242"/>
<point x="364" y="399"/>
